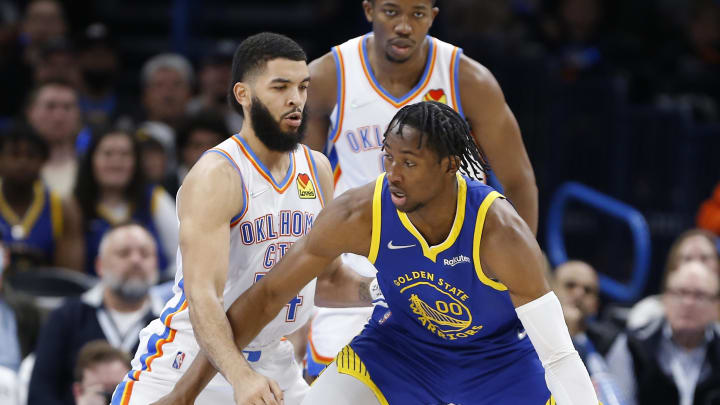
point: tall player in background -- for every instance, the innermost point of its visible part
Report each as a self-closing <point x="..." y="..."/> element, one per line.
<point x="359" y="86"/>
<point x="240" y="208"/>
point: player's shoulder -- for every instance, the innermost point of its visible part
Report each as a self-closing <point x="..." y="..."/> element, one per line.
<point x="475" y="73"/>
<point x="356" y="203"/>
<point x="323" y="82"/>
<point x="212" y="169"/>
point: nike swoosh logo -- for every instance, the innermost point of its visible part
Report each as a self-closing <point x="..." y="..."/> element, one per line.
<point x="257" y="193"/>
<point x="359" y="103"/>
<point x="393" y="247"/>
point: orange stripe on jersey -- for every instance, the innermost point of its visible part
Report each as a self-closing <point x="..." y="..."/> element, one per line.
<point x="258" y="166"/>
<point x="341" y="106"/>
<point x="246" y="205"/>
<point x="336" y="174"/>
<point x="452" y="80"/>
<point x="376" y="86"/>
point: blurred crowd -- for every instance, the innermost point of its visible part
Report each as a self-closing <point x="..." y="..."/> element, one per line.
<point x="89" y="168"/>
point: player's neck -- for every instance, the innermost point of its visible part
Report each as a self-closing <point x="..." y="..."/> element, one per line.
<point x="398" y="78"/>
<point x="61" y="152"/>
<point x="435" y="219"/>
<point x="277" y="162"/>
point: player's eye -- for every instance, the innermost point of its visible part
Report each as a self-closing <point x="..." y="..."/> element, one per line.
<point x="390" y="13"/>
<point x="409" y="163"/>
<point x="419" y="14"/>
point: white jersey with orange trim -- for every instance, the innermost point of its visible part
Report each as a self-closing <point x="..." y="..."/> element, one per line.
<point x="364" y="109"/>
<point x="274" y="216"/>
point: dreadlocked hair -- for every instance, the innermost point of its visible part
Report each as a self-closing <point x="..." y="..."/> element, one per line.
<point x="447" y="133"/>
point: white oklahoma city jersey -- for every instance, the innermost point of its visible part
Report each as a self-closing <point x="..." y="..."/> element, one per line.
<point x="364" y="109"/>
<point x="275" y="215"/>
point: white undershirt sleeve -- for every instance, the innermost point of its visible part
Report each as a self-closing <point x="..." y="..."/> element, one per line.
<point x="565" y="373"/>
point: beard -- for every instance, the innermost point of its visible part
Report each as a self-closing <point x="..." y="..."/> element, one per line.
<point x="131" y="289"/>
<point x="268" y="130"/>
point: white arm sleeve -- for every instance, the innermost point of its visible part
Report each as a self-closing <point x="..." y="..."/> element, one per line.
<point x="565" y="374"/>
<point x="167" y="226"/>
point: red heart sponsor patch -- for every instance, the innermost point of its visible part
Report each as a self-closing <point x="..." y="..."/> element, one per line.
<point x="304" y="179"/>
<point x="436" y="94"/>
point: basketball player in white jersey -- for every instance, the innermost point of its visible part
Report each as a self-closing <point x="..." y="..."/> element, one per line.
<point x="240" y="208"/>
<point x="360" y="85"/>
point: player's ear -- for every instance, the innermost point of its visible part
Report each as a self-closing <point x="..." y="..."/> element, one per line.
<point x="452" y="165"/>
<point x="368" y="8"/>
<point x="242" y="94"/>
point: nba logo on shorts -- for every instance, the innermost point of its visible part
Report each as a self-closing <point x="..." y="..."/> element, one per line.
<point x="179" y="357"/>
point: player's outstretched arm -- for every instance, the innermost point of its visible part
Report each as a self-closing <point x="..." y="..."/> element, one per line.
<point x="509" y="252"/>
<point x="497" y="132"/>
<point x="210" y="196"/>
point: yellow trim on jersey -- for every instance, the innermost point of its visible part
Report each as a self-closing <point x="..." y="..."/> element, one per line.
<point x="431" y="252"/>
<point x="156" y="193"/>
<point x="480" y="222"/>
<point x="376" y="219"/>
<point x="348" y="362"/>
<point x="56" y="215"/>
<point x="31" y="215"/>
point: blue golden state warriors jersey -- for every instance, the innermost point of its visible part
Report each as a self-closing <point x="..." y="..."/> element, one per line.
<point x="450" y="333"/>
<point x="32" y="238"/>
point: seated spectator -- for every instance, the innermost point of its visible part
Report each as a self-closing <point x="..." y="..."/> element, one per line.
<point x="57" y="61"/>
<point x="202" y="131"/>
<point x="213" y="78"/>
<point x="115" y="310"/>
<point x="100" y="66"/>
<point x="100" y="368"/>
<point x="692" y="245"/>
<point x="42" y="21"/>
<point x="576" y="285"/>
<point x="39" y="228"/>
<point x="19" y="326"/>
<point x="53" y="112"/>
<point x="113" y="190"/>
<point x="676" y="359"/>
<point x="167" y="81"/>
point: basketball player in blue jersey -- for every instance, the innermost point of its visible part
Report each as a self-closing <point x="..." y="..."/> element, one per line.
<point x="39" y="228"/>
<point x="470" y="317"/>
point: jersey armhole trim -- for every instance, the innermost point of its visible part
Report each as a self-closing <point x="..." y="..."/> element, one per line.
<point x="454" y="82"/>
<point x="340" y="98"/>
<point x="236" y="219"/>
<point x="376" y="219"/>
<point x="479" y="224"/>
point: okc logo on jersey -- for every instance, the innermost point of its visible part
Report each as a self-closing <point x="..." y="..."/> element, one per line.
<point x="436" y="95"/>
<point x="305" y="187"/>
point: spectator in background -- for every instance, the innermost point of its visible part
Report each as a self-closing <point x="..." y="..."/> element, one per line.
<point x="213" y="77"/>
<point x="113" y="190"/>
<point x="692" y="245"/>
<point x="115" y="310"/>
<point x="99" y="64"/>
<point x="54" y="113"/>
<point x="167" y="81"/>
<point x="19" y="326"/>
<point x="676" y="359"/>
<point x="202" y="131"/>
<point x="576" y="285"/>
<point x="40" y="229"/>
<point x="57" y="60"/>
<point x="43" y="21"/>
<point x="100" y="368"/>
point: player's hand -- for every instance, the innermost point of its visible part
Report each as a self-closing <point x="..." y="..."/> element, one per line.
<point x="256" y="389"/>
